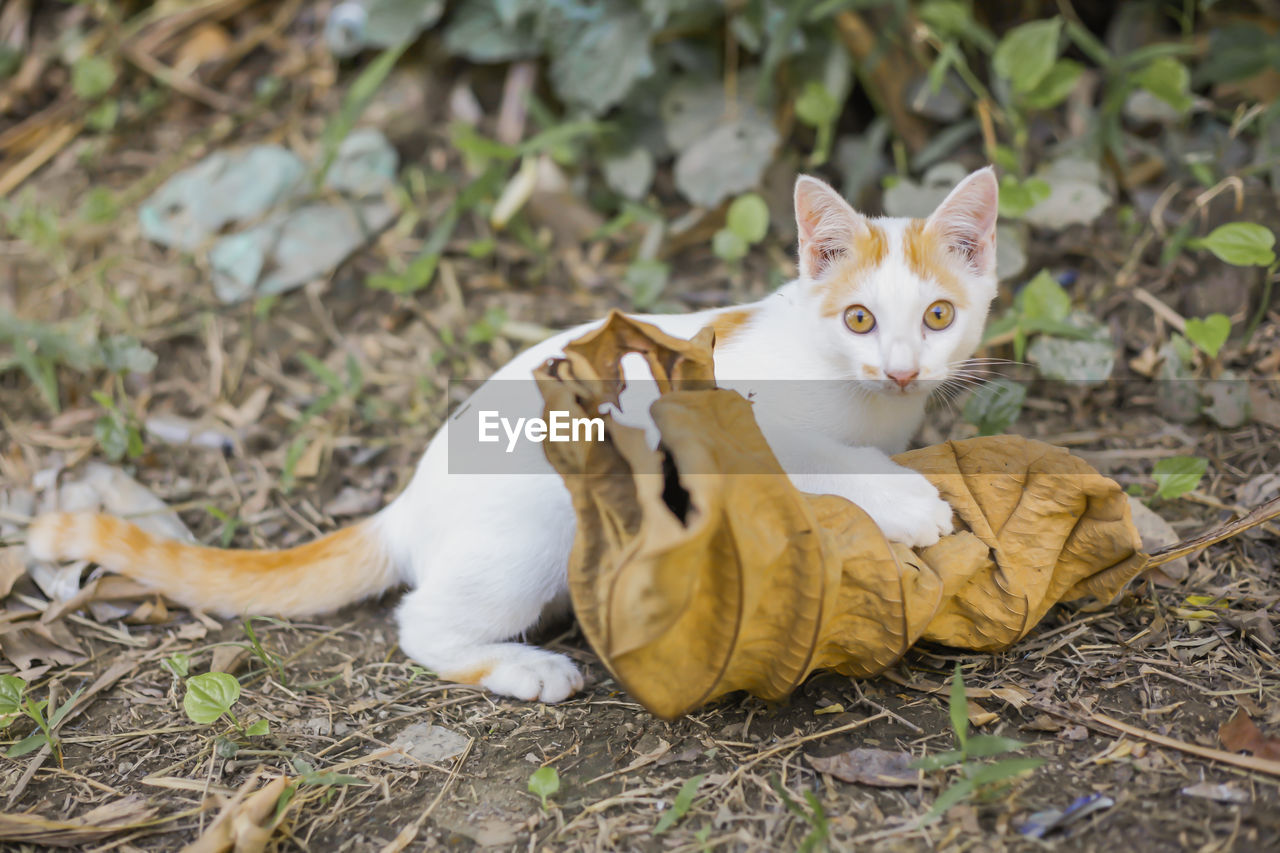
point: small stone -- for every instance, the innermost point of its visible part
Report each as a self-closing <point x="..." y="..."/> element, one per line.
<point x="425" y="743"/>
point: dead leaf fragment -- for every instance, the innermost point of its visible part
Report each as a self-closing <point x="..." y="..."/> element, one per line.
<point x="27" y="642"/>
<point x="1218" y="793"/>
<point x="980" y="716"/>
<point x="690" y="585"/>
<point x="246" y="821"/>
<point x="122" y="815"/>
<point x="11" y="568"/>
<point x="207" y="42"/>
<point x="1241" y="734"/>
<point x="881" y="768"/>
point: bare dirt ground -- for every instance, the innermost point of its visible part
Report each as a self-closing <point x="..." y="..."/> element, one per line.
<point x="337" y="692"/>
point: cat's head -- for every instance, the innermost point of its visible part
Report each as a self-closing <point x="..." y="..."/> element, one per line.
<point x="898" y="302"/>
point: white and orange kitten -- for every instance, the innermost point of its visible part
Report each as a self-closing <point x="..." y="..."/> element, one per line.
<point x="883" y="310"/>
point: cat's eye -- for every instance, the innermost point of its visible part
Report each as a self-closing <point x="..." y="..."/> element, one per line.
<point x="939" y="315"/>
<point x="859" y="319"/>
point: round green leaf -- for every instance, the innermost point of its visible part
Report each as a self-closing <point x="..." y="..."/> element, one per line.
<point x="728" y="246"/>
<point x="92" y="77"/>
<point x="816" y="106"/>
<point x="1043" y="299"/>
<point x="749" y="217"/>
<point x="995" y="405"/>
<point x="1026" y="53"/>
<point x="1241" y="244"/>
<point x="544" y="783"/>
<point x="1169" y="80"/>
<point x="1178" y="475"/>
<point x="209" y="696"/>
<point x="11" y="689"/>
<point x="646" y="280"/>
<point x="1056" y="85"/>
<point x="1210" y="333"/>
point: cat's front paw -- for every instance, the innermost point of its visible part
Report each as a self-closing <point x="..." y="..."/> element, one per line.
<point x="534" y="675"/>
<point x="907" y="509"/>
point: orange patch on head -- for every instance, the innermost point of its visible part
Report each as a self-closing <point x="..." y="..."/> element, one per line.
<point x="927" y="257"/>
<point x="729" y="323"/>
<point x="865" y="253"/>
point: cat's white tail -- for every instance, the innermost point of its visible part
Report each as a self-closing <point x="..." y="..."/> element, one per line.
<point x="345" y="566"/>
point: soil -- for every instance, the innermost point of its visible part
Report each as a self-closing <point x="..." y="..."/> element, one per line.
<point x="337" y="692"/>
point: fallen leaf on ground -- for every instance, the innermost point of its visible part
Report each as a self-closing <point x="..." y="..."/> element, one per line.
<point x="122" y="815"/>
<point x="246" y="821"/>
<point x="1218" y="793"/>
<point x="11" y="568"/>
<point x="24" y="643"/>
<point x="879" y="767"/>
<point x="1241" y="734"/>
<point x="691" y="586"/>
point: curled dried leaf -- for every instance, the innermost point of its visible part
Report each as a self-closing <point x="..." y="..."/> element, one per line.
<point x="691" y="585"/>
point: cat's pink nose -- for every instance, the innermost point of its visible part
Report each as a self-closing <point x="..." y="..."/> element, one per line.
<point x="902" y="377"/>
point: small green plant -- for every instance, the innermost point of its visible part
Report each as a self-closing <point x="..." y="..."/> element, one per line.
<point x="1245" y="244"/>
<point x="117" y="433"/>
<point x="177" y="664"/>
<point x="995" y="406"/>
<point x="99" y="207"/>
<point x="1017" y="197"/>
<point x="976" y="778"/>
<point x="815" y="816"/>
<point x="358" y="97"/>
<point x="1178" y="475"/>
<point x="15" y="702"/>
<point x="337" y="388"/>
<point x="271" y="661"/>
<point x="92" y="77"/>
<point x="680" y="806"/>
<point x="210" y="696"/>
<point x="646" y="280"/>
<point x="1210" y="333"/>
<point x="1041" y="307"/>
<point x="543" y="783"/>
<point x="230" y="525"/>
<point x="39" y="350"/>
<point x="487" y="328"/>
<point x="1241" y="244"/>
<point x="746" y="224"/>
<point x="819" y="109"/>
<point x="11" y="689"/>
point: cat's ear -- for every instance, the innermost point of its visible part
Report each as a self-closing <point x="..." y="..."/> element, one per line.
<point x="965" y="222"/>
<point x="827" y="226"/>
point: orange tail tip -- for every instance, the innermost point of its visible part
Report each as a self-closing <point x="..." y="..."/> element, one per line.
<point x="345" y="566"/>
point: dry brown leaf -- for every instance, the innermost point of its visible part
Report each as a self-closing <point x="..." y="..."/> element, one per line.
<point x="691" y="585"/>
<point x="11" y="568"/>
<point x="246" y="821"/>
<point x="122" y="815"/>
<point x="1241" y="734"/>
<point x="207" y="42"/>
<point x="879" y="767"/>
<point x="101" y="588"/>
<point x="26" y="642"/>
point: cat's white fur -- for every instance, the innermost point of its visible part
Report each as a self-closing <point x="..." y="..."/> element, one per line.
<point x="486" y="555"/>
